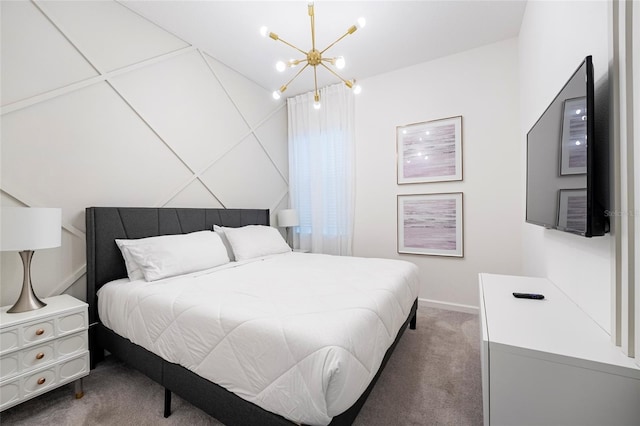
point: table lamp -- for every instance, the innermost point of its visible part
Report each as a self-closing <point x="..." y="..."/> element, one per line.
<point x="25" y="229"/>
<point x="288" y="218"/>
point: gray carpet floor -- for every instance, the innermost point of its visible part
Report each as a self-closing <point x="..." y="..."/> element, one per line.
<point x="432" y="378"/>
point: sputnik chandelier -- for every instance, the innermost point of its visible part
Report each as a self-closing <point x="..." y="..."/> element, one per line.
<point x="314" y="58"/>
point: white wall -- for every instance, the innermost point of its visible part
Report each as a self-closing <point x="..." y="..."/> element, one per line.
<point x="100" y="107"/>
<point x="554" y="38"/>
<point x="481" y="85"/>
<point x="636" y="147"/>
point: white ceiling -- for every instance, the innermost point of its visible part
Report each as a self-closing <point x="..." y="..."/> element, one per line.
<point x="397" y="34"/>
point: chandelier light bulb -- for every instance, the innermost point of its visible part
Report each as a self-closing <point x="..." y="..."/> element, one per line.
<point x="316" y="105"/>
<point x="276" y="95"/>
<point x="357" y="89"/>
<point x="281" y="66"/>
<point x="362" y="22"/>
<point x="340" y="62"/>
<point x="264" y="31"/>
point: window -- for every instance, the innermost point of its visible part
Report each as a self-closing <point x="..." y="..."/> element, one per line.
<point x="321" y="145"/>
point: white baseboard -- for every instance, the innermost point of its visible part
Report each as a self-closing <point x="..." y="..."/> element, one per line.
<point x="426" y="303"/>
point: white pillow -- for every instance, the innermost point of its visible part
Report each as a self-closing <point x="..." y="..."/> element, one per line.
<point x="220" y="231"/>
<point x="171" y="255"/>
<point x="133" y="270"/>
<point x="255" y="241"/>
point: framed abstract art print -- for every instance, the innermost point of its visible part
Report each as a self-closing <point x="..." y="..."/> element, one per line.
<point x="430" y="224"/>
<point x="430" y="151"/>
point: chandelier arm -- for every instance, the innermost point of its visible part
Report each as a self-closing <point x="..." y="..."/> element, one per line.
<point x="349" y="31"/>
<point x="315" y="82"/>
<point x="313" y="27"/>
<point x="297" y="74"/>
<point x="295" y="62"/>
<point x="291" y="45"/>
<point x="332" y="61"/>
<point x="346" y="82"/>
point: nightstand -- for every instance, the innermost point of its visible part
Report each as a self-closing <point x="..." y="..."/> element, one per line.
<point x="43" y="349"/>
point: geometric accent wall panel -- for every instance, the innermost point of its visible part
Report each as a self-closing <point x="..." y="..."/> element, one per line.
<point x="195" y="195"/>
<point x="184" y="103"/>
<point x="162" y="133"/>
<point x="86" y="148"/>
<point x="10" y="265"/>
<point x="252" y="100"/>
<point x="41" y="61"/>
<point x="92" y="25"/>
<point x="273" y="135"/>
<point x="245" y="178"/>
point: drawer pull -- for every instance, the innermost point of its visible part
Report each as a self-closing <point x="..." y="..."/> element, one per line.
<point x="41" y="380"/>
<point x="40" y="355"/>
<point x="39" y="332"/>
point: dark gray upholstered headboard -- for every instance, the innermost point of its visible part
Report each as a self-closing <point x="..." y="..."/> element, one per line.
<point x="105" y="224"/>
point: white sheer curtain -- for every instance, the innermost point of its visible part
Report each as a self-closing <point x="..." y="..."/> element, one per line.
<point x="321" y="170"/>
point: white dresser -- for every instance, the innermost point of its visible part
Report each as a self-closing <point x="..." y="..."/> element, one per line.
<point x="546" y="362"/>
<point x="43" y="349"/>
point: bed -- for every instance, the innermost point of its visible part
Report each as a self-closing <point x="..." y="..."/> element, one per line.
<point x="284" y="329"/>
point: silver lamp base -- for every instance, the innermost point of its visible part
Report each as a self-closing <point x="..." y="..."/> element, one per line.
<point x="28" y="301"/>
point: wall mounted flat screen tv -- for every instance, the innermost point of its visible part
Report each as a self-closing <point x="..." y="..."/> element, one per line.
<point x="566" y="163"/>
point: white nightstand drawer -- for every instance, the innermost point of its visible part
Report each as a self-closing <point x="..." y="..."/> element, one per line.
<point x="40" y="381"/>
<point x="73" y="344"/>
<point x="9" y="393"/>
<point x="38" y="356"/>
<point x="74" y="368"/>
<point x="72" y="323"/>
<point x="9" y="340"/>
<point x="9" y="365"/>
<point x="37" y="332"/>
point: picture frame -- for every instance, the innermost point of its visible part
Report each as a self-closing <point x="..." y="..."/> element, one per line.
<point x="573" y="142"/>
<point x="431" y="224"/>
<point x="430" y="151"/>
<point x="572" y="210"/>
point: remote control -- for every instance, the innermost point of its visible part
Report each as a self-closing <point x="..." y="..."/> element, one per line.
<point x="529" y="296"/>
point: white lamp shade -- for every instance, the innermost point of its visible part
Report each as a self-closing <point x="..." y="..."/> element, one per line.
<point x="24" y="228"/>
<point x="287" y="218"/>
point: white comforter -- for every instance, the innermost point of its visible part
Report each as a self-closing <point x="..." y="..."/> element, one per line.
<point x="300" y="335"/>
